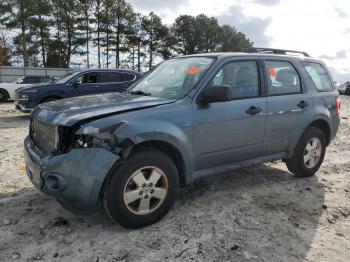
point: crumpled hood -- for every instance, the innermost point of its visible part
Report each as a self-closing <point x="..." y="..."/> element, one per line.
<point x="68" y="112"/>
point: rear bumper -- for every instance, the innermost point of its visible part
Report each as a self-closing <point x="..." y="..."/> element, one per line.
<point x="75" y="177"/>
<point x="335" y="127"/>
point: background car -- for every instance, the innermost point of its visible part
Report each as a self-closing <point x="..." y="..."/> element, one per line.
<point x="87" y="82"/>
<point x="7" y="90"/>
<point x="340" y="87"/>
<point x="346" y="87"/>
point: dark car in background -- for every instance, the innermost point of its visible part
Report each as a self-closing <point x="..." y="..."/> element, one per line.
<point x="346" y="87"/>
<point x="87" y="82"/>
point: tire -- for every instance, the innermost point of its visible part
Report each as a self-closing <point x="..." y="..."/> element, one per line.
<point x="3" y="96"/>
<point x="299" y="164"/>
<point x="121" y="184"/>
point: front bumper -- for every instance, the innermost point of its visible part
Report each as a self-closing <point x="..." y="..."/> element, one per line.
<point x="22" y="108"/>
<point x="80" y="173"/>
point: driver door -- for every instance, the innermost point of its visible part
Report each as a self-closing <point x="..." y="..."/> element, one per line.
<point x="232" y="131"/>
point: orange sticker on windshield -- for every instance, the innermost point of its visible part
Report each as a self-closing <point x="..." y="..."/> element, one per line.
<point x="193" y="70"/>
<point x="272" y="72"/>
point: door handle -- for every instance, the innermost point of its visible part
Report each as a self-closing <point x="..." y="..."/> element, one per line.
<point x="253" y="110"/>
<point x="303" y="104"/>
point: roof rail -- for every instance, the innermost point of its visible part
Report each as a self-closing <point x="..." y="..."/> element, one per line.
<point x="275" y="51"/>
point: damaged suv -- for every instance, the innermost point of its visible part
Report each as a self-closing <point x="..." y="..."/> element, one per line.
<point x="192" y="116"/>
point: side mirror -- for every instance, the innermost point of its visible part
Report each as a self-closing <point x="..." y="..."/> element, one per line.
<point x="76" y="83"/>
<point x="212" y="94"/>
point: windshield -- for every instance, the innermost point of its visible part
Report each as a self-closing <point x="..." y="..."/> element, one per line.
<point x="66" y="78"/>
<point x="174" y="78"/>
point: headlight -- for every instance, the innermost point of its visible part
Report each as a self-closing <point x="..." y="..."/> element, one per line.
<point x="23" y="97"/>
<point x="32" y="90"/>
<point x="97" y="140"/>
<point x="83" y="141"/>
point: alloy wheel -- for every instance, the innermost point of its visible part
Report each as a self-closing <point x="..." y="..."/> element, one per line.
<point x="145" y="190"/>
<point x="312" y="152"/>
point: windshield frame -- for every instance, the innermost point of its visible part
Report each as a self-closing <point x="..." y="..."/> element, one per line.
<point x="18" y="80"/>
<point x="195" y="86"/>
<point x="69" y="77"/>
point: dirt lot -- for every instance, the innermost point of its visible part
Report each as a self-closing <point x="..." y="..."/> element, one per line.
<point x="256" y="214"/>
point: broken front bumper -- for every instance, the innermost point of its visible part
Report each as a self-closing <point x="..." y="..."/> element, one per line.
<point x="75" y="177"/>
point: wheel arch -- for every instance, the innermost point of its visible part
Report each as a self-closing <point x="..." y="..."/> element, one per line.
<point x="169" y="150"/>
<point x="57" y="97"/>
<point x="6" y="92"/>
<point x="162" y="146"/>
<point x="324" y="126"/>
<point x="320" y="123"/>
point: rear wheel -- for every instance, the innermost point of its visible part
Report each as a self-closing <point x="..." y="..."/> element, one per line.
<point x="308" y="154"/>
<point x="3" y="95"/>
<point x="142" y="190"/>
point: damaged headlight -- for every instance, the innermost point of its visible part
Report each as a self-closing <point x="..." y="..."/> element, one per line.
<point x="83" y="141"/>
<point x="97" y="140"/>
<point x="88" y="137"/>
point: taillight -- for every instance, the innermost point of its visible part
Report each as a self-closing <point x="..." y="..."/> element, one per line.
<point x="337" y="105"/>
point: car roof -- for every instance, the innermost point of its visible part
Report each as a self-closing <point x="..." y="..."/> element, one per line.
<point x="110" y="70"/>
<point x="225" y="55"/>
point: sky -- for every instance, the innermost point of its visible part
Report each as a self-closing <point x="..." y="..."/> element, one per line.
<point x="318" y="27"/>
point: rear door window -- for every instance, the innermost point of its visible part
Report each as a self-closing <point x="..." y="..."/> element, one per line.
<point x="109" y="77"/>
<point x="282" y="78"/>
<point x="319" y="76"/>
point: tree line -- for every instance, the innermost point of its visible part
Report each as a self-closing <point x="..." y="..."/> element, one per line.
<point x="50" y="32"/>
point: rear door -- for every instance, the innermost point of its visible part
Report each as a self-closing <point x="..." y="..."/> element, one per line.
<point x="288" y="105"/>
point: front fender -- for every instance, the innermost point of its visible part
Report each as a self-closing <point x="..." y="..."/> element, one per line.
<point x="157" y="130"/>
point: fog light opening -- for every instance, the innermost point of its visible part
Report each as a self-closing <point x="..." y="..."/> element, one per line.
<point x="54" y="183"/>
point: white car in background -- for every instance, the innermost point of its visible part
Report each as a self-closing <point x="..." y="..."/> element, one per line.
<point x="7" y="90"/>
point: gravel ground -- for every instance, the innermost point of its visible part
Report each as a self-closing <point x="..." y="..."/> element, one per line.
<point x="261" y="213"/>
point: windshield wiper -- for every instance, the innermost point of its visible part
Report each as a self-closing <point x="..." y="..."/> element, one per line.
<point x="139" y="92"/>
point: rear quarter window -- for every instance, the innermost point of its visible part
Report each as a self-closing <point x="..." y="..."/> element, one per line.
<point x="319" y="76"/>
<point x="127" y="77"/>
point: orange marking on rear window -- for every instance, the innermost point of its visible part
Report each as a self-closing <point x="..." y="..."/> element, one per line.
<point x="193" y="70"/>
<point x="272" y="72"/>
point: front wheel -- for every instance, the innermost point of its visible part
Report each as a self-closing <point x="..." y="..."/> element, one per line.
<point x="308" y="154"/>
<point x="142" y="190"/>
<point x="3" y="96"/>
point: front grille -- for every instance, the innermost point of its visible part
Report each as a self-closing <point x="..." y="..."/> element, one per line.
<point x="45" y="137"/>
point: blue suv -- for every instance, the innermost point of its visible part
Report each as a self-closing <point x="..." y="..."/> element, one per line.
<point x="192" y="116"/>
<point x="87" y="82"/>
